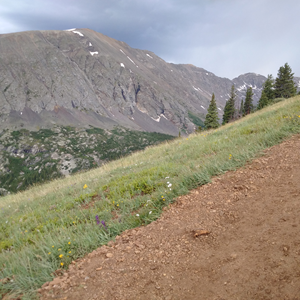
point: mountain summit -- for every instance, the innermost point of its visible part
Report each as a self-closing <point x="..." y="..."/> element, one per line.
<point x="79" y="77"/>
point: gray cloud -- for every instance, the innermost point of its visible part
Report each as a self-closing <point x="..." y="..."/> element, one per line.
<point x="227" y="38"/>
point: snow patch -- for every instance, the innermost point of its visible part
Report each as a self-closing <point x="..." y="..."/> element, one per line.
<point x="93" y="53"/>
<point x="203" y="107"/>
<point x="70" y="29"/>
<point x="90" y="44"/>
<point x="219" y="108"/>
<point x="242" y="87"/>
<point x="122" y="65"/>
<point x="159" y="117"/>
<point x="172" y="71"/>
<point x="132" y="61"/>
<point x="156" y="120"/>
<point x="197" y="89"/>
<point x="122" y="51"/>
<point x="77" y="32"/>
<point x="207" y="74"/>
<point x="149" y="55"/>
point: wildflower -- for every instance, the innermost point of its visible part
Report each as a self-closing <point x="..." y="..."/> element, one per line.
<point x="137" y="215"/>
<point x="52" y="246"/>
<point x="97" y="220"/>
<point x="49" y="253"/>
<point x="104" y="225"/>
<point x="69" y="251"/>
<point x="61" y="264"/>
<point x="61" y="256"/>
<point x="150" y="212"/>
<point x="69" y="243"/>
<point x="59" y="249"/>
<point x="85" y="186"/>
<point x="169" y="185"/>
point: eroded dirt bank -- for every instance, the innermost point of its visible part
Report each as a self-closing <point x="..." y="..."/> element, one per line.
<point x="252" y="250"/>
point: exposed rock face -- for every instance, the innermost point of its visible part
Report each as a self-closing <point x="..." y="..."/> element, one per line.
<point x="81" y="77"/>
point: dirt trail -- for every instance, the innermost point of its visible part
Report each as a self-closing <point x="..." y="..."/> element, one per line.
<point x="251" y="252"/>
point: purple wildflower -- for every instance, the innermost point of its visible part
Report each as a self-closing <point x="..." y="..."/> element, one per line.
<point x="102" y="222"/>
<point x="104" y="225"/>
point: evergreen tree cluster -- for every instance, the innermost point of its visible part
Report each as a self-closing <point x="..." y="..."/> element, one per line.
<point x="282" y="87"/>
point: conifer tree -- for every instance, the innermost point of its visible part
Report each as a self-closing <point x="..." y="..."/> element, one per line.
<point x="242" y="109"/>
<point x="284" y="83"/>
<point x="229" y="109"/>
<point x="263" y="101"/>
<point x="267" y="94"/>
<point x="248" y="106"/>
<point x="212" y="119"/>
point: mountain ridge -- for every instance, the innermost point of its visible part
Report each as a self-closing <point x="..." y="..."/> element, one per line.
<point x="80" y="77"/>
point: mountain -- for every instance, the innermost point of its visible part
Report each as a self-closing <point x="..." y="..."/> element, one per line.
<point x="80" y="78"/>
<point x="73" y="100"/>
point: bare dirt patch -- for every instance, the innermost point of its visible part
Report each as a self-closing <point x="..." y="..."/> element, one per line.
<point x="236" y="238"/>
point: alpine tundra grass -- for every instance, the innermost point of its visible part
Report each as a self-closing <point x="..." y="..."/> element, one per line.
<point x="47" y="227"/>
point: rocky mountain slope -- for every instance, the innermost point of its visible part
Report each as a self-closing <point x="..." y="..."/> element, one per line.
<point x="80" y="77"/>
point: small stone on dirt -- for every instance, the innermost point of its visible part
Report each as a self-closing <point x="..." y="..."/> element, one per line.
<point x="198" y="232"/>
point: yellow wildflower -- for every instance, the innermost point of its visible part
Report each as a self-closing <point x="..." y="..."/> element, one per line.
<point x="61" y="256"/>
<point x="61" y="264"/>
<point x="85" y="186"/>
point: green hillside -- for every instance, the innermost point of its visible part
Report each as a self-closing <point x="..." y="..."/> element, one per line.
<point x="48" y="226"/>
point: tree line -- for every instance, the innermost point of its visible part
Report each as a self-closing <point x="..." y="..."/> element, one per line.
<point x="282" y="87"/>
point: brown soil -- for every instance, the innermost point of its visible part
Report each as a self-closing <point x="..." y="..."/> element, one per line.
<point x="249" y="246"/>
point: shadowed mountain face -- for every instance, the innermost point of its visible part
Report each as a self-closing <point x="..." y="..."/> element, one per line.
<point x="80" y="78"/>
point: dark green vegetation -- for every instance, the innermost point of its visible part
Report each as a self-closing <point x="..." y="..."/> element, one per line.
<point x="229" y="110"/>
<point x="212" y="119"/>
<point x="283" y="87"/>
<point x="195" y="119"/>
<point x="284" y="84"/>
<point x="248" y="105"/>
<point x="45" y="228"/>
<point x="29" y="157"/>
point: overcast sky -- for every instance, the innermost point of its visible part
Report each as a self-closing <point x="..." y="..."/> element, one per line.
<point x="226" y="37"/>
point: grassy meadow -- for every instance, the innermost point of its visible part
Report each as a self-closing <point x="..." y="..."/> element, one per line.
<point x="48" y="226"/>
